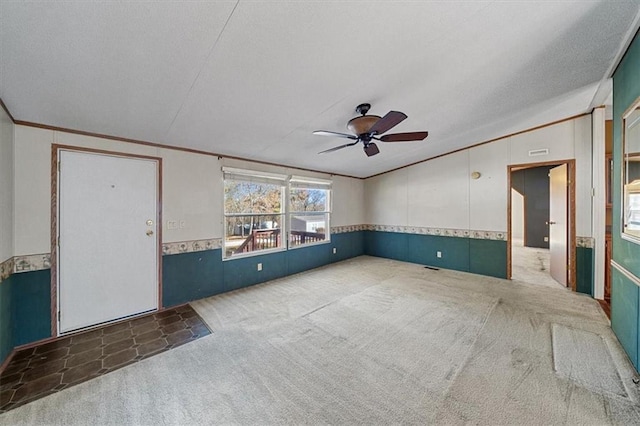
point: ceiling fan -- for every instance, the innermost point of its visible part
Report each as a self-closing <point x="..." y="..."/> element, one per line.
<point x="369" y="127"/>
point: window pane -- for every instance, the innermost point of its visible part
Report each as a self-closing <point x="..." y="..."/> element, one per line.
<point x="250" y="197"/>
<point x="308" y="200"/>
<point x="245" y="234"/>
<point x="633" y="222"/>
<point x="308" y="228"/>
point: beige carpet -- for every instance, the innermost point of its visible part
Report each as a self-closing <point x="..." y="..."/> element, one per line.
<point x="531" y="264"/>
<point x="372" y="341"/>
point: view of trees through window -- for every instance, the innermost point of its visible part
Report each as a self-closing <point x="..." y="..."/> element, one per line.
<point x="251" y="207"/>
<point x="255" y="216"/>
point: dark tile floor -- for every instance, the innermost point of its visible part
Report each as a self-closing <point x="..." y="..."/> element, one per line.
<point x="51" y="367"/>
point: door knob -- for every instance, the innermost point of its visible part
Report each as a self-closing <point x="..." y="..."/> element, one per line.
<point x="551" y="223"/>
<point x="149" y="232"/>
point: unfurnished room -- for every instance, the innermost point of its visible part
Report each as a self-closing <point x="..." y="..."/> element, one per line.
<point x="320" y="212"/>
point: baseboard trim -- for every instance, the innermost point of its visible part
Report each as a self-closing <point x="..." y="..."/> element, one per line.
<point x="7" y="360"/>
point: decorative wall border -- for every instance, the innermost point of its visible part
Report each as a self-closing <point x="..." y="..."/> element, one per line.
<point x="191" y="246"/>
<point x="37" y="262"/>
<point x="443" y="232"/>
<point x="31" y="262"/>
<point x="26" y="263"/>
<point x="6" y="269"/>
<point x="348" y="228"/>
<point x="586" y="242"/>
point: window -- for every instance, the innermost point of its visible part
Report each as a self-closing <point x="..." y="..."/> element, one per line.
<point x="632" y="207"/>
<point x="253" y="212"/>
<point x="309" y="209"/>
<point x="258" y="212"/>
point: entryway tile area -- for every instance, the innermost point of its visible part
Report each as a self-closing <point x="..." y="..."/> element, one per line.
<point x="51" y="367"/>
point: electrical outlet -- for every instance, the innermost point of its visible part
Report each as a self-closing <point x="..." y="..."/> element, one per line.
<point x="546" y="239"/>
<point x="172" y="224"/>
<point x="334" y="250"/>
<point x="259" y="266"/>
<point x="438" y="254"/>
<point x="183" y="224"/>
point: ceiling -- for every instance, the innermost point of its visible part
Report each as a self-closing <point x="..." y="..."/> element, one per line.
<point x="253" y="79"/>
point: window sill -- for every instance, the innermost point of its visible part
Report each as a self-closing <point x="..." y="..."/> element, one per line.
<point x="254" y="253"/>
<point x="276" y="250"/>
<point x="317" y="243"/>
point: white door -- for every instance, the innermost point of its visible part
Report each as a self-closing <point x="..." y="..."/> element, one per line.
<point x="558" y="245"/>
<point x="108" y="246"/>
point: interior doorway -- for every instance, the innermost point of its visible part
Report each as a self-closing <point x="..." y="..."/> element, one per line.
<point x="541" y="223"/>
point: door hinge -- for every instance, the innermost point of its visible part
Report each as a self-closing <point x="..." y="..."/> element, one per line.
<point x="58" y="241"/>
<point x="59" y="162"/>
<point x="58" y="316"/>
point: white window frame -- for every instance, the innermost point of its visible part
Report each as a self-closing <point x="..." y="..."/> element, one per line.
<point x="286" y="182"/>
<point x="242" y="175"/>
<point x="309" y="183"/>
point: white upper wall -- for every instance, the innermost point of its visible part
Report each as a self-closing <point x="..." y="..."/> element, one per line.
<point x="192" y="188"/>
<point x="6" y="186"/>
<point x="437" y="193"/>
<point x="32" y="218"/>
<point x="440" y="193"/>
<point x="488" y="194"/>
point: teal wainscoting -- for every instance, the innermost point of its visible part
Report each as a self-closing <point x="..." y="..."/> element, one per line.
<point x="624" y="313"/>
<point x="305" y="258"/>
<point x="30" y="306"/>
<point x="488" y="257"/>
<point x="424" y="249"/>
<point x="191" y="276"/>
<point x="347" y="245"/>
<point x="584" y="270"/>
<point x="6" y="331"/>
<point x="484" y="257"/>
<point x="243" y="272"/>
<point x="391" y="245"/>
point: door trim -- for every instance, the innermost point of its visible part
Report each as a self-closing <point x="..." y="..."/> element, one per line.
<point x="55" y="149"/>
<point x="571" y="209"/>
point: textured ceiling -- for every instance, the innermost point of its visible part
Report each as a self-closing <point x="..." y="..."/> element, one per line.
<point x="253" y="79"/>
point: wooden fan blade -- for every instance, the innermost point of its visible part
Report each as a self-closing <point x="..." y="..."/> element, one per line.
<point x="404" y="137"/>
<point x="338" y="147"/>
<point x="392" y="119"/>
<point x="336" y="134"/>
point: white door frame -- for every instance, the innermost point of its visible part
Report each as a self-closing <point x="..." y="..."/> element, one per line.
<point x="571" y="226"/>
<point x="55" y="151"/>
<point x="598" y="224"/>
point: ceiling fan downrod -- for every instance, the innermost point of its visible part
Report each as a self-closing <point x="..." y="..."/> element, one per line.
<point x="363" y="109"/>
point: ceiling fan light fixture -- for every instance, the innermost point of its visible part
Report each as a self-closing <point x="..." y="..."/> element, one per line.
<point x="362" y="124"/>
<point x="371" y="149"/>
